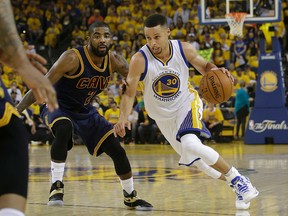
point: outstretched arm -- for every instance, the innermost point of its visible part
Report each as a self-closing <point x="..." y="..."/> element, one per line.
<point x="68" y="63"/>
<point x="136" y="68"/>
<point x="196" y="60"/>
<point x="12" y="53"/>
<point x="199" y="62"/>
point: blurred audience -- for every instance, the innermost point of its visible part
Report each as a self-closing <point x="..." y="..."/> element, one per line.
<point x="213" y="119"/>
<point x="63" y="24"/>
<point x="147" y="127"/>
<point x="242" y="109"/>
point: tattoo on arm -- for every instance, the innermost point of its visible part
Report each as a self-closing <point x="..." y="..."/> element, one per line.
<point x="27" y="100"/>
<point x="10" y="43"/>
<point x="122" y="65"/>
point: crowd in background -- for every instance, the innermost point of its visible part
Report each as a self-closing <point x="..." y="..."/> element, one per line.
<point x="46" y="24"/>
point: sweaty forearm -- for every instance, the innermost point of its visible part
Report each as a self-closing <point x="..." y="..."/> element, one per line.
<point x="11" y="49"/>
<point x="209" y="66"/>
<point x="126" y="106"/>
<point x="27" y="100"/>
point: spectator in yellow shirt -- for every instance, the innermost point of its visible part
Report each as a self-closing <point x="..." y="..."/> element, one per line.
<point x="126" y="42"/>
<point x="113" y="113"/>
<point x="213" y="119"/>
<point x="250" y="73"/>
<point x="241" y="75"/>
<point x="112" y="18"/>
<point x="51" y="35"/>
<point x="179" y="32"/>
<point x="218" y="55"/>
<point x="226" y="45"/>
<point x="35" y="27"/>
<point x="194" y="79"/>
<point x="104" y="95"/>
<point x="8" y="78"/>
<point x="77" y="33"/>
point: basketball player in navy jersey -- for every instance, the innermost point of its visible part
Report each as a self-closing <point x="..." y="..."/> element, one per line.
<point x="13" y="135"/>
<point x="163" y="66"/>
<point x="78" y="75"/>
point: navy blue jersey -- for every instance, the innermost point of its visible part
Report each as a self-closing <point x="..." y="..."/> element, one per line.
<point x="74" y="95"/>
<point x="75" y="92"/>
<point x="6" y="107"/>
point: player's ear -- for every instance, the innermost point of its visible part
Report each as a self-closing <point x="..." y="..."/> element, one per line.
<point x="168" y="31"/>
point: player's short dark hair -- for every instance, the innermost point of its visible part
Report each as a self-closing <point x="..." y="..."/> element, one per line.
<point x="155" y="20"/>
<point x="97" y="25"/>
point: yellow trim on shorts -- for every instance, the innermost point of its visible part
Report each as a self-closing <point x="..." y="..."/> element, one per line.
<point x="81" y="63"/>
<point x="195" y="105"/>
<point x="101" y="141"/>
<point x="55" y="120"/>
<point x="58" y="119"/>
<point x="9" y="111"/>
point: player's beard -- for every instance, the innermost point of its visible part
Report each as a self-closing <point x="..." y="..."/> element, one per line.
<point x="99" y="53"/>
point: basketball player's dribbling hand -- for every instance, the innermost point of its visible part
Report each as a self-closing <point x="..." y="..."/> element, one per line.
<point x="224" y="70"/>
<point x="119" y="128"/>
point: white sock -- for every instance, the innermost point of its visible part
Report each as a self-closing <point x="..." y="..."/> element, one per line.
<point x="57" y="171"/>
<point x="231" y="174"/>
<point x="127" y="185"/>
<point x="10" y="212"/>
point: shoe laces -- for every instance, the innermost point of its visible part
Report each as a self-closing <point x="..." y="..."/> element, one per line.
<point x="240" y="184"/>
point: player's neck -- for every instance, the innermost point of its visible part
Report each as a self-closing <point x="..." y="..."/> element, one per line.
<point x="165" y="54"/>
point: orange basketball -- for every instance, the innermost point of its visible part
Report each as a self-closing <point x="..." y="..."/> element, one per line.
<point x="216" y="87"/>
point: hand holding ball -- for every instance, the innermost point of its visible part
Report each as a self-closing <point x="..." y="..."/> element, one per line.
<point x="216" y="87"/>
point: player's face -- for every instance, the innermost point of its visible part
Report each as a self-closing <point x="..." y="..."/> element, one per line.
<point x="157" y="38"/>
<point x="100" y="41"/>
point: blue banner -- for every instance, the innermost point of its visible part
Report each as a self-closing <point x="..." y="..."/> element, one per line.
<point x="268" y="122"/>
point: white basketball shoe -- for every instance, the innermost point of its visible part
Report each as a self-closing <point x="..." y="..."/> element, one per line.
<point x="243" y="189"/>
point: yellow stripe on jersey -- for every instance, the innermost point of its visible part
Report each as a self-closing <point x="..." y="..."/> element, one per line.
<point x="8" y="112"/>
<point x="81" y="63"/>
<point x="195" y="105"/>
<point x="55" y="120"/>
<point x="102" y="140"/>
<point x="140" y="86"/>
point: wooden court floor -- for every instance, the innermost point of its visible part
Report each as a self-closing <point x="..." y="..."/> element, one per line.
<point x="92" y="187"/>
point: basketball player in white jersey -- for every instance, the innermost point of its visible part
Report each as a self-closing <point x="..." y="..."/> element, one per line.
<point x="162" y="65"/>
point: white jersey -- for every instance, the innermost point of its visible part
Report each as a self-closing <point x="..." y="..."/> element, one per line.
<point x="166" y="83"/>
